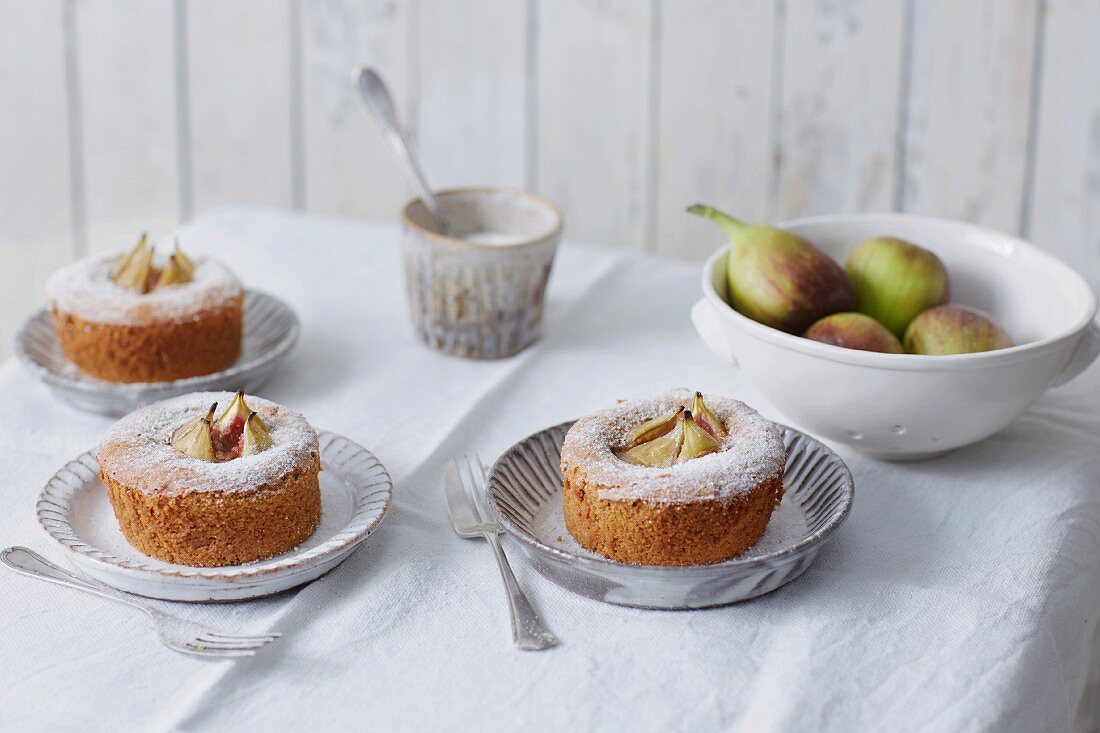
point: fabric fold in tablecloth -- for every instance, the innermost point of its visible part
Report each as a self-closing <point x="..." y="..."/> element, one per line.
<point x="960" y="595"/>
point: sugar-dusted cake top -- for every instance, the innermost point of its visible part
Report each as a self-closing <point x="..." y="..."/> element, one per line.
<point x="137" y="450"/>
<point x="751" y="452"/>
<point x="87" y="289"/>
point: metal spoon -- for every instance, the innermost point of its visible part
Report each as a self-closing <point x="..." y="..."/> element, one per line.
<point x="378" y="103"/>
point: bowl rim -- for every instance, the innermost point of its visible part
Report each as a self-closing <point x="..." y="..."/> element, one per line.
<point x="553" y="234"/>
<point x="798" y="549"/>
<point x="857" y="357"/>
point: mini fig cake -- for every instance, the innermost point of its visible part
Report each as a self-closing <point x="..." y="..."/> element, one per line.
<point x="194" y="489"/>
<point x="672" y="480"/>
<point x="138" y="318"/>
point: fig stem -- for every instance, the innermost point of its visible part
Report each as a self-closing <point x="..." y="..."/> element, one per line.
<point x="729" y="225"/>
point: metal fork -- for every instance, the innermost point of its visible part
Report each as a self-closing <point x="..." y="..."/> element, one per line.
<point x="464" y="483"/>
<point x="181" y="635"/>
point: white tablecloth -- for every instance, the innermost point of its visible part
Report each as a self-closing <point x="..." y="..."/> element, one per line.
<point x="962" y="593"/>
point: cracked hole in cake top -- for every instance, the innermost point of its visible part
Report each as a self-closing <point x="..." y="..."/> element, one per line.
<point x="674" y="437"/>
<point x="238" y="432"/>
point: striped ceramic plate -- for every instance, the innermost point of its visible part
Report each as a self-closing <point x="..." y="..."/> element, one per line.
<point x="356" y="492"/>
<point x="524" y="491"/>
<point x="270" y="331"/>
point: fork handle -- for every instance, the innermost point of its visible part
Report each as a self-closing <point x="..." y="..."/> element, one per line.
<point x="26" y="561"/>
<point x="528" y="630"/>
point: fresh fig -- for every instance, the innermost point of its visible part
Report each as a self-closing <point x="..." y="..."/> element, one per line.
<point x="707" y="419"/>
<point x="653" y="429"/>
<point x="895" y="280"/>
<point x="954" y="329"/>
<point x="660" y="452"/>
<point x="697" y="441"/>
<point x="854" y="331"/>
<point x="254" y="438"/>
<point x="778" y="278"/>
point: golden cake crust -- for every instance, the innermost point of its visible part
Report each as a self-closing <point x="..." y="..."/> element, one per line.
<point x="158" y="351"/>
<point x="694" y="533"/>
<point x="188" y="511"/>
<point x="704" y="510"/>
<point x="214" y="528"/>
<point x="181" y="330"/>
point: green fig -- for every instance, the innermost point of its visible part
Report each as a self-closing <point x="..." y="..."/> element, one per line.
<point x="660" y="452"/>
<point x="172" y="274"/>
<point x="895" y="280"/>
<point x="854" y="331"/>
<point x="708" y="420"/>
<point x="698" y="441"/>
<point x="185" y="263"/>
<point x="124" y="262"/>
<point x="778" y="278"/>
<point x="135" y="268"/>
<point x="954" y="329"/>
<point x="653" y="429"/>
<point x="195" y="439"/>
<point x="231" y="422"/>
<point x="254" y="438"/>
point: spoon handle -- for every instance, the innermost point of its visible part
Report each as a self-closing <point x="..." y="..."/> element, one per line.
<point x="28" y="562"/>
<point x="377" y="100"/>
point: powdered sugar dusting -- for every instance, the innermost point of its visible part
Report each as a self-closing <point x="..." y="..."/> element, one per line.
<point x="85" y="289"/>
<point x="136" y="451"/>
<point x="752" y="453"/>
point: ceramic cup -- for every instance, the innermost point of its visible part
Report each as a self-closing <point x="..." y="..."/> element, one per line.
<point x="479" y="294"/>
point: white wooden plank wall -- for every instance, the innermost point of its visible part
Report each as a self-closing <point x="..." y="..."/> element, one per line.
<point x="348" y="169"/>
<point x="838" y="118"/>
<point x="130" y="154"/>
<point x="39" y="231"/>
<point x="716" y="140"/>
<point x="592" y="118"/>
<point x="1062" y="211"/>
<point x="969" y="109"/>
<point x="239" y="92"/>
<point x="473" y="86"/>
<point x="130" y="115"/>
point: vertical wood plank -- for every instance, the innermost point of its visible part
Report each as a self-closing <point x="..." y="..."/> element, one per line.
<point x="968" y="110"/>
<point x="240" y="110"/>
<point x="128" y="109"/>
<point x="1064" y="212"/>
<point x="36" y="224"/>
<point x="594" y="138"/>
<point x="473" y="122"/>
<point x="348" y="169"/>
<point x="715" y="126"/>
<point x="842" y="65"/>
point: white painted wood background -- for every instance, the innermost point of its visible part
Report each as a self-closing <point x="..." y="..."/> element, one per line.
<point x="126" y="115"/>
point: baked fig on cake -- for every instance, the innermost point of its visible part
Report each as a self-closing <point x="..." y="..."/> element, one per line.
<point x="147" y="316"/>
<point x="679" y="479"/>
<point x="212" y="478"/>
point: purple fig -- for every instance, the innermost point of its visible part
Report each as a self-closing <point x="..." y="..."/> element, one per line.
<point x="954" y="329"/>
<point x="778" y="278"/>
<point x="895" y="280"/>
<point x="854" y="331"/>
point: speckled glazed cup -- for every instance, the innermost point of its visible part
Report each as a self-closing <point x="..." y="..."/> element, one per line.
<point x="474" y="298"/>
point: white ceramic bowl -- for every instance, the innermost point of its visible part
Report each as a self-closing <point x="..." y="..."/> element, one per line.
<point x="904" y="406"/>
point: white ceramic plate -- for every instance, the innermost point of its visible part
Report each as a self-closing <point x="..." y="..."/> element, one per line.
<point x="524" y="491"/>
<point x="270" y="332"/>
<point x="356" y="491"/>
